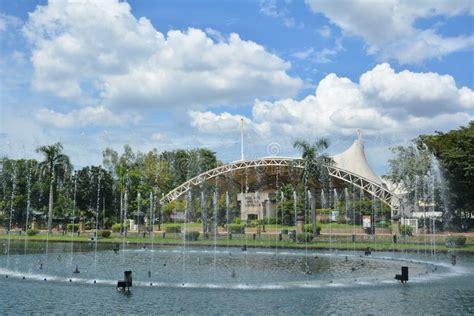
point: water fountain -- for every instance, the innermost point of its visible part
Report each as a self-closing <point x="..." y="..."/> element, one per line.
<point x="266" y="265"/>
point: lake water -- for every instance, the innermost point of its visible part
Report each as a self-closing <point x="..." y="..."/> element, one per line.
<point x="202" y="280"/>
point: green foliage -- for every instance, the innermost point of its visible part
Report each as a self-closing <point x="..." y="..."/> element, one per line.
<point x="76" y="227"/>
<point x="304" y="237"/>
<point x="309" y="228"/>
<point x="406" y="230"/>
<point x="455" y="241"/>
<point x="237" y="220"/>
<point x="236" y="228"/>
<point x="32" y="232"/>
<point x="252" y="223"/>
<point x="455" y="151"/>
<point x="284" y="231"/>
<point x="173" y="229"/>
<point x="104" y="233"/>
<point x="116" y="228"/>
<point x="191" y="235"/>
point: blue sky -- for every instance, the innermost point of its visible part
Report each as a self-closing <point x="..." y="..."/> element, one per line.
<point x="181" y="74"/>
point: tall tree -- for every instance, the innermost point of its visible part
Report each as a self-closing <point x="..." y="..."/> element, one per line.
<point x="315" y="171"/>
<point x="55" y="163"/>
<point x="455" y="151"/>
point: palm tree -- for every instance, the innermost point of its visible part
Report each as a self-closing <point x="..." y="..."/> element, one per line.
<point x="315" y="171"/>
<point x="55" y="162"/>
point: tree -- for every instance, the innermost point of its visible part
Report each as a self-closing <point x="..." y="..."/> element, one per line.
<point x="315" y="170"/>
<point x="55" y="163"/>
<point x="455" y="152"/>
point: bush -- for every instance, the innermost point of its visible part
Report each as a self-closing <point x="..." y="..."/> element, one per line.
<point x="284" y="231"/>
<point x="455" y="241"/>
<point x="192" y="235"/>
<point x="236" y="228"/>
<point x="406" y="230"/>
<point x="104" y="233"/>
<point x="252" y="223"/>
<point x="237" y="220"/>
<point x="309" y="228"/>
<point x="304" y="237"/>
<point x="32" y="232"/>
<point x="76" y="227"/>
<point x="176" y="229"/>
<point x="271" y="220"/>
<point x="116" y="228"/>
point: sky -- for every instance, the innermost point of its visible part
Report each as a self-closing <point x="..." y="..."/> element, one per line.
<point x="182" y="74"/>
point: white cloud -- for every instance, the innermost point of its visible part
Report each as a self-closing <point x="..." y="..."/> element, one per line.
<point x="7" y="21"/>
<point x="209" y="122"/>
<point x="277" y="10"/>
<point x="304" y="54"/>
<point x="89" y="48"/>
<point x="325" y="31"/>
<point x="99" y="116"/>
<point x="389" y="26"/>
<point x="382" y="103"/>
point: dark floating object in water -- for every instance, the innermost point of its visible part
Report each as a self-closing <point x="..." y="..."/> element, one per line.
<point x="164" y="264"/>
<point x="233" y="273"/>
<point x="95" y="281"/>
<point x="244" y="247"/>
<point x="403" y="278"/>
<point x="453" y="260"/>
<point x="77" y="270"/>
<point x="44" y="279"/>
<point x="368" y="252"/>
<point x="126" y="283"/>
<point x="149" y="274"/>
<point x="70" y="280"/>
<point x="41" y="266"/>
<point x="24" y="278"/>
<point x="353" y="269"/>
<point x="6" y="276"/>
<point x="347" y="259"/>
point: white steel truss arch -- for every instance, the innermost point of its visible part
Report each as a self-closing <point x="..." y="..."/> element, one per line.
<point x="375" y="189"/>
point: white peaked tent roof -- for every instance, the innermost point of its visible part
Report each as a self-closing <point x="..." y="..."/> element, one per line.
<point x="354" y="161"/>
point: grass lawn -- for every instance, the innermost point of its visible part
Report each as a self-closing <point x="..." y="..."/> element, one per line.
<point x="320" y="242"/>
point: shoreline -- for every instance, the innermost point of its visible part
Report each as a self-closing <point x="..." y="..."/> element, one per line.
<point x="250" y="243"/>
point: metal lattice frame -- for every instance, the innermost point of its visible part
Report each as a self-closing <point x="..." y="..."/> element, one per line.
<point x="377" y="190"/>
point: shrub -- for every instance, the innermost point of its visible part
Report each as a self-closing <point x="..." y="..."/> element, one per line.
<point x="271" y="220"/>
<point x="309" y="228"/>
<point x="104" y="233"/>
<point x="237" y="220"/>
<point x="284" y="231"/>
<point x="304" y="237"/>
<point x="116" y="228"/>
<point x="32" y="232"/>
<point x="252" y="223"/>
<point x="192" y="235"/>
<point x="455" y="241"/>
<point x="76" y="227"/>
<point x="406" y="230"/>
<point x="236" y="228"/>
<point x="173" y="229"/>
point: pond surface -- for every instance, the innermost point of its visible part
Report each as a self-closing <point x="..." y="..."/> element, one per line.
<point x="202" y="280"/>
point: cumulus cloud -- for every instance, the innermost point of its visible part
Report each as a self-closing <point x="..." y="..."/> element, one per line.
<point x="209" y="122"/>
<point x="389" y="26"/>
<point x="99" y="48"/>
<point x="383" y="102"/>
<point x="99" y="116"/>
